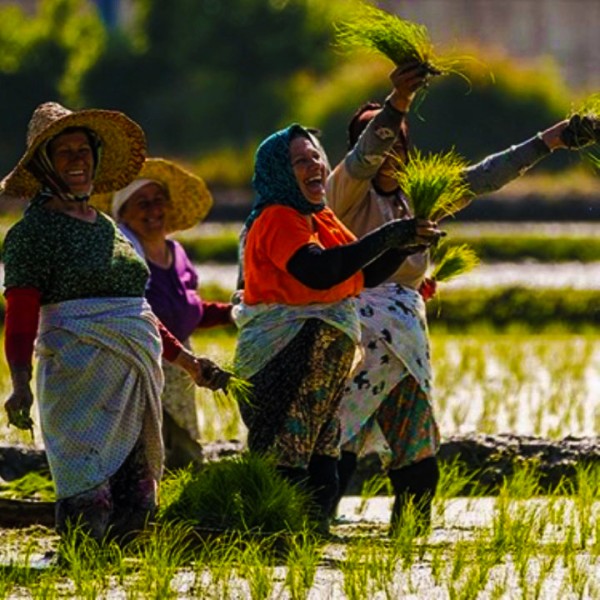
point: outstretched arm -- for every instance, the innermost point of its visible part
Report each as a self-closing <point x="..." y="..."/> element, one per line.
<point x="495" y="171"/>
<point x="320" y="268"/>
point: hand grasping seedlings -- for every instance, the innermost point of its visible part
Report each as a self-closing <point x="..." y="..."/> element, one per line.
<point x="583" y="128"/>
<point x="398" y="39"/>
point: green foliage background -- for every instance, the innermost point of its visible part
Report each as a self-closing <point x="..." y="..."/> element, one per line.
<point x="208" y="79"/>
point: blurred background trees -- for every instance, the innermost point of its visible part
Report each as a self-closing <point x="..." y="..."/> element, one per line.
<point x="207" y="79"/>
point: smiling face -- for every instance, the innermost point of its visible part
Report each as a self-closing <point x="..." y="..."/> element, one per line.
<point x="309" y="168"/>
<point x="72" y="157"/>
<point x="145" y="210"/>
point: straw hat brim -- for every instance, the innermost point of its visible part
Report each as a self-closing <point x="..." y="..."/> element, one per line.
<point x="190" y="199"/>
<point x="122" y="154"/>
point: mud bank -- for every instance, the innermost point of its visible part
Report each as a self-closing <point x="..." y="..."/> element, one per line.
<point x="487" y="458"/>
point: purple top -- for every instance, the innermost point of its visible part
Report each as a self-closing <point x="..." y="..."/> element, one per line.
<point x="173" y="295"/>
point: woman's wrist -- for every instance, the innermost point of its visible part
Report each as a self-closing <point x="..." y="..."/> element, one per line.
<point x="398" y="104"/>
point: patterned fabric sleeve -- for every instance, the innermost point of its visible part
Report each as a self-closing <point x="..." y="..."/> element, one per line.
<point x="496" y="170"/>
<point x="376" y="140"/>
<point x="27" y="257"/>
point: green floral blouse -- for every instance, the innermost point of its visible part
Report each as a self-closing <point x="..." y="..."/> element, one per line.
<point x="67" y="259"/>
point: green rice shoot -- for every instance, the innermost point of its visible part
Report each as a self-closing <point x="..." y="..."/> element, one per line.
<point x="400" y="40"/>
<point x="590" y="107"/>
<point x="244" y="494"/>
<point x="589" y="110"/>
<point x="434" y="183"/>
<point x="32" y="486"/>
<point x="238" y="389"/>
<point x="452" y="260"/>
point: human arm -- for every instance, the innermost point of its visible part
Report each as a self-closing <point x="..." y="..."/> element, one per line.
<point x="202" y="370"/>
<point x="215" y="313"/>
<point x="496" y="170"/>
<point x="368" y="153"/>
<point x="321" y="268"/>
<point x="20" y="328"/>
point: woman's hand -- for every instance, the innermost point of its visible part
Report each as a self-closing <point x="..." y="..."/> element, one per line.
<point x="407" y="79"/>
<point x="574" y="133"/>
<point x="413" y="235"/>
<point x="18" y="405"/>
<point x="203" y="371"/>
<point x="428" y="232"/>
<point x="18" y="408"/>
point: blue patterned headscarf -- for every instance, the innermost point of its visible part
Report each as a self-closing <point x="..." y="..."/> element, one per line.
<point x="274" y="181"/>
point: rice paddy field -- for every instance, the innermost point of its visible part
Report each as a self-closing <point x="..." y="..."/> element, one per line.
<point x="518" y="544"/>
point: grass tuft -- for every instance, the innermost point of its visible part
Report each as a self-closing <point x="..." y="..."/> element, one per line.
<point x="245" y="494"/>
<point x="434" y="183"/>
<point x="589" y="114"/>
<point x="451" y="260"/>
<point x="33" y="485"/>
<point x="398" y="39"/>
<point x="239" y="390"/>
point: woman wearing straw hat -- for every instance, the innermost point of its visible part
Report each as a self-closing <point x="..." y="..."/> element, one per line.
<point x="396" y="416"/>
<point x="163" y="199"/>
<point x="298" y="323"/>
<point x="68" y="268"/>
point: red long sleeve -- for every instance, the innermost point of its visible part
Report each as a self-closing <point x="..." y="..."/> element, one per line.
<point x="20" y="324"/>
<point x="171" y="345"/>
<point x="215" y="313"/>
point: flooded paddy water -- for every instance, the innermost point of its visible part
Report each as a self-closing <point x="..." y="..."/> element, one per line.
<point x="511" y="546"/>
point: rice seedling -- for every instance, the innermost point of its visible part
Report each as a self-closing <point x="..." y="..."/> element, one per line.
<point x="33" y="485"/>
<point x="371" y="488"/>
<point x="583" y="130"/>
<point x="257" y="570"/>
<point x="243" y="494"/>
<point x="450" y="261"/>
<point x="433" y="183"/>
<point x="237" y="389"/>
<point x="356" y="571"/>
<point x="303" y="557"/>
<point x="402" y="41"/>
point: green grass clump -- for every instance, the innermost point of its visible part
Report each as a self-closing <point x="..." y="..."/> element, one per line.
<point x="590" y="108"/>
<point x="451" y="260"/>
<point x="33" y="486"/>
<point x="434" y="184"/>
<point x="589" y="122"/>
<point x="243" y="494"/>
<point x="238" y="390"/>
<point x="398" y="39"/>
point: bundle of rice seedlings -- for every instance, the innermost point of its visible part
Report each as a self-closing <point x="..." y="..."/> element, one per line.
<point x="399" y="40"/>
<point x="433" y="183"/>
<point x="590" y="108"/>
<point x="450" y="261"/>
<point x="244" y="494"/>
<point x="584" y="128"/>
<point x="33" y="485"/>
<point x="237" y="389"/>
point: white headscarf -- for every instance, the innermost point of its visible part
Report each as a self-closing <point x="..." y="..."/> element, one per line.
<point x="120" y="197"/>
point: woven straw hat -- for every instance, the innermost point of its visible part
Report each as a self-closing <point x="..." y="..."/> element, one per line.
<point x="190" y="200"/>
<point x="121" y="156"/>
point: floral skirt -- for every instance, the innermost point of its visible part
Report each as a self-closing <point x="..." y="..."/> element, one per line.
<point x="294" y="410"/>
<point x="402" y="428"/>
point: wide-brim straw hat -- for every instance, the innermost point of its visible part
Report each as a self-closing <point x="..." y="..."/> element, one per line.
<point x="121" y="156"/>
<point x="190" y="200"/>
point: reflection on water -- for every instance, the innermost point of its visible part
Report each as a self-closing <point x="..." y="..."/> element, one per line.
<point x="575" y="275"/>
<point x="530" y="274"/>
